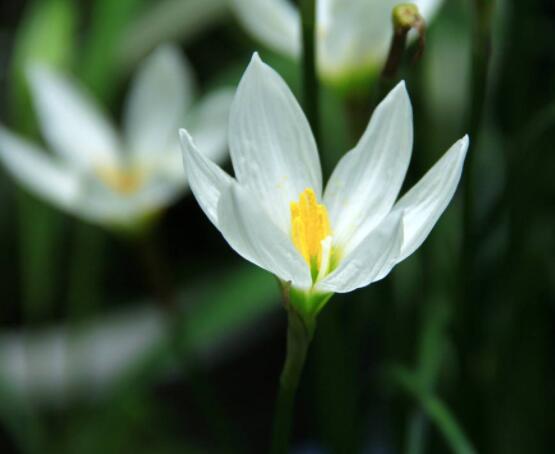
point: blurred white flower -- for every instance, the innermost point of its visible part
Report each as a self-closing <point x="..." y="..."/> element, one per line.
<point x="353" y="35"/>
<point x="98" y="175"/>
<point x="270" y="212"/>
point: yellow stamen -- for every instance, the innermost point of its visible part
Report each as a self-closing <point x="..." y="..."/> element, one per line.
<point x="123" y="181"/>
<point x="309" y="226"/>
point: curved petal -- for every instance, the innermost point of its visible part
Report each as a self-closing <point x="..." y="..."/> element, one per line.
<point x="160" y="95"/>
<point x="71" y="122"/>
<point x="370" y="261"/>
<point x="367" y="180"/>
<point x="39" y="172"/>
<point x="426" y="201"/>
<point x="275" y="23"/>
<point x="272" y="147"/>
<point x="206" y="179"/>
<point x="252" y="234"/>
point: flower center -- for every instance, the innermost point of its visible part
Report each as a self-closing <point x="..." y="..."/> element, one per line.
<point x="310" y="226"/>
<point x="123" y="181"/>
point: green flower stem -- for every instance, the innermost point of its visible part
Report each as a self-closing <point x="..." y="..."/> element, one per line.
<point x="481" y="49"/>
<point x="157" y="270"/>
<point x="404" y="17"/>
<point x="299" y="336"/>
<point x="310" y="79"/>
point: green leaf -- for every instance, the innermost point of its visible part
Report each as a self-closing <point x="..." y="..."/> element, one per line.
<point x="434" y="408"/>
<point x="99" y="66"/>
<point x="46" y="35"/>
<point x="167" y="20"/>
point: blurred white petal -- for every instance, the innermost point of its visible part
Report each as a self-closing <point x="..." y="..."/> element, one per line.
<point x="275" y="23"/>
<point x="71" y="122"/>
<point x="39" y="172"/>
<point x="207" y="123"/>
<point x="161" y="93"/>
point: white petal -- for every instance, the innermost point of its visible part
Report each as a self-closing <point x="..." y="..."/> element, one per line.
<point x="428" y="8"/>
<point x="103" y="205"/>
<point x="39" y="172"/>
<point x="252" y="234"/>
<point x="275" y="23"/>
<point x="70" y="121"/>
<point x="367" y="180"/>
<point x="206" y="179"/>
<point x="353" y="35"/>
<point x="426" y="201"/>
<point x="369" y="261"/>
<point x="272" y="147"/>
<point x="160" y="95"/>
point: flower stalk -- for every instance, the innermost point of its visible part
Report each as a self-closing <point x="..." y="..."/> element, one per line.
<point x="481" y="50"/>
<point x="310" y="79"/>
<point x="300" y="331"/>
<point x="405" y="17"/>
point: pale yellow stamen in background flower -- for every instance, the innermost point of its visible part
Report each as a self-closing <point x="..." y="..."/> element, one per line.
<point x="309" y="226"/>
<point x="123" y="181"/>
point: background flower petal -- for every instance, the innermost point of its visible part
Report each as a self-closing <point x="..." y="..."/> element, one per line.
<point x="70" y="120"/>
<point x="160" y="95"/>
<point x="39" y="172"/>
<point x="275" y="23"/>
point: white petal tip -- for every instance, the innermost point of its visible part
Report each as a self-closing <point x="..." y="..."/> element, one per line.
<point x="462" y="146"/>
<point x="184" y="134"/>
<point x="256" y="62"/>
<point x="186" y="140"/>
<point x="398" y="95"/>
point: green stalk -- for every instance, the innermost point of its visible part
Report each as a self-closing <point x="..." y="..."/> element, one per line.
<point x="310" y="79"/>
<point x="481" y="49"/>
<point x="299" y="336"/>
<point x="405" y="17"/>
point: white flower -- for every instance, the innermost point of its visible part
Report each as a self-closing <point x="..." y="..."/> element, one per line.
<point x="353" y="35"/>
<point x="98" y="175"/>
<point x="274" y="212"/>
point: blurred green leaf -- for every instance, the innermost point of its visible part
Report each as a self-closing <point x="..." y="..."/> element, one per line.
<point x="167" y="20"/>
<point x="46" y="35"/>
<point x="434" y="408"/>
<point x="21" y="421"/>
<point x="98" y="67"/>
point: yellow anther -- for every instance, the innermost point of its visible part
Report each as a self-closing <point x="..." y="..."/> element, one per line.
<point x="123" y="181"/>
<point x="309" y="226"/>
